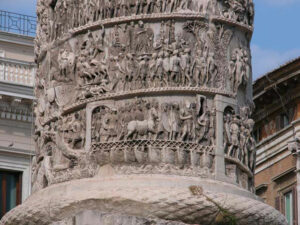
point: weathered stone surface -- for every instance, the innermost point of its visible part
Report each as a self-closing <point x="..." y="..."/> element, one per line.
<point x="90" y="217"/>
<point x="144" y="109"/>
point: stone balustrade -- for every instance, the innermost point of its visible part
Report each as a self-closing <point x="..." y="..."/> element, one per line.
<point x="17" y="72"/>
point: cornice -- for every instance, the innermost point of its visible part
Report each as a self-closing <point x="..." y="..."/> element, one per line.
<point x="16" y="90"/>
<point x="16" y="39"/>
<point x="147" y="92"/>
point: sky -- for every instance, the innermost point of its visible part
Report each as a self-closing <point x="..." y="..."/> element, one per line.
<point x="276" y="37"/>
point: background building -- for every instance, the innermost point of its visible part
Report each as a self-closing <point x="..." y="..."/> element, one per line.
<point x="277" y="116"/>
<point x="17" y="72"/>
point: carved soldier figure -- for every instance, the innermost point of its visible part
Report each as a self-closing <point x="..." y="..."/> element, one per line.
<point x="154" y="79"/>
<point x="140" y="5"/>
<point x="212" y="69"/>
<point x="166" y="66"/>
<point x="159" y="69"/>
<point x="243" y="148"/>
<point x="186" y="4"/>
<point x="186" y="116"/>
<point x="164" y="127"/>
<point x="212" y="127"/>
<point x="250" y="12"/>
<point x="142" y="72"/>
<point x="77" y="130"/>
<point x="175" y="67"/>
<point x="204" y="122"/>
<point x="124" y="8"/>
<point x="99" y="42"/>
<point x="113" y="121"/>
<point x="159" y="6"/>
<point x="203" y="6"/>
<point x="174" y="121"/>
<point x="117" y="8"/>
<point x="234" y="137"/>
<point x="186" y="64"/>
<point x="141" y="38"/>
<point x="130" y="71"/>
<point x="150" y="6"/>
<point x="172" y="5"/>
<point x="199" y="70"/>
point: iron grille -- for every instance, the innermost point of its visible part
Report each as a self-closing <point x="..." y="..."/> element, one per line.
<point x="17" y="23"/>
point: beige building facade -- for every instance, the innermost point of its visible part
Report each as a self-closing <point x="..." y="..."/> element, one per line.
<point x="17" y="71"/>
<point x="277" y="116"/>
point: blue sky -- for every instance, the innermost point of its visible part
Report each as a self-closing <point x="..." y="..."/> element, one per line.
<point x="275" y="41"/>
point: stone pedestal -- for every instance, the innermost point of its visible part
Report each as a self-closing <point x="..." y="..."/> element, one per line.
<point x="143" y="115"/>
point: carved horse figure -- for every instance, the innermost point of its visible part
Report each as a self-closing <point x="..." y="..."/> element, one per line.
<point x="143" y="127"/>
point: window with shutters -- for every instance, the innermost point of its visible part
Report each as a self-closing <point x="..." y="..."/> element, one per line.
<point x="10" y="187"/>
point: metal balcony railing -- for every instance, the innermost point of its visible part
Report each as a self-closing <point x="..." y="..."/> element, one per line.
<point x="17" y="72"/>
<point x="17" y="23"/>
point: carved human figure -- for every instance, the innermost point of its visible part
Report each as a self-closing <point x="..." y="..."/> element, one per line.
<point x="212" y="126"/>
<point x="99" y="43"/>
<point x="203" y="6"/>
<point x="234" y="137"/>
<point x="174" y="121"/>
<point x="199" y="70"/>
<point x="204" y="123"/>
<point x="243" y="147"/>
<point x="77" y="131"/>
<point x="130" y="70"/>
<point x="185" y="4"/>
<point x="159" y="6"/>
<point x="186" y="116"/>
<point x="186" y="64"/>
<point x="175" y="67"/>
<point x="250" y="12"/>
<point x="140" y="6"/>
<point x="212" y="69"/>
<point x="154" y="79"/>
<point x="167" y="68"/>
<point x="164" y="128"/>
<point x="142" y="72"/>
<point x="227" y="135"/>
<point x="150" y="6"/>
<point x="159" y="69"/>
<point x="141" y="38"/>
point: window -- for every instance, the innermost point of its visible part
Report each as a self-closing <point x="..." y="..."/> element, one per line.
<point x="2" y="53"/>
<point x="288" y="199"/>
<point x="10" y="187"/>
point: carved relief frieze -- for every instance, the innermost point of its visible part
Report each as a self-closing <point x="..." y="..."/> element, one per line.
<point x="238" y="137"/>
<point x="132" y="83"/>
<point x="58" y="17"/>
<point x="144" y="56"/>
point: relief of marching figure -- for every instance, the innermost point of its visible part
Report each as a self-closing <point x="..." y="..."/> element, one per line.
<point x="238" y="136"/>
<point x="161" y="134"/>
<point x="57" y="17"/>
<point x="150" y="120"/>
<point x="138" y="58"/>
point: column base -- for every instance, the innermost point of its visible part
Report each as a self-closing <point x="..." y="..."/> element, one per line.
<point x="141" y="199"/>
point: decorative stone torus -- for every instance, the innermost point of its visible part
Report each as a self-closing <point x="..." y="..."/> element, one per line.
<point x="143" y="115"/>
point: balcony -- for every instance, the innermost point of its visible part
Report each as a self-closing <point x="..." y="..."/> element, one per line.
<point x="17" y="72"/>
<point x="17" y="23"/>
